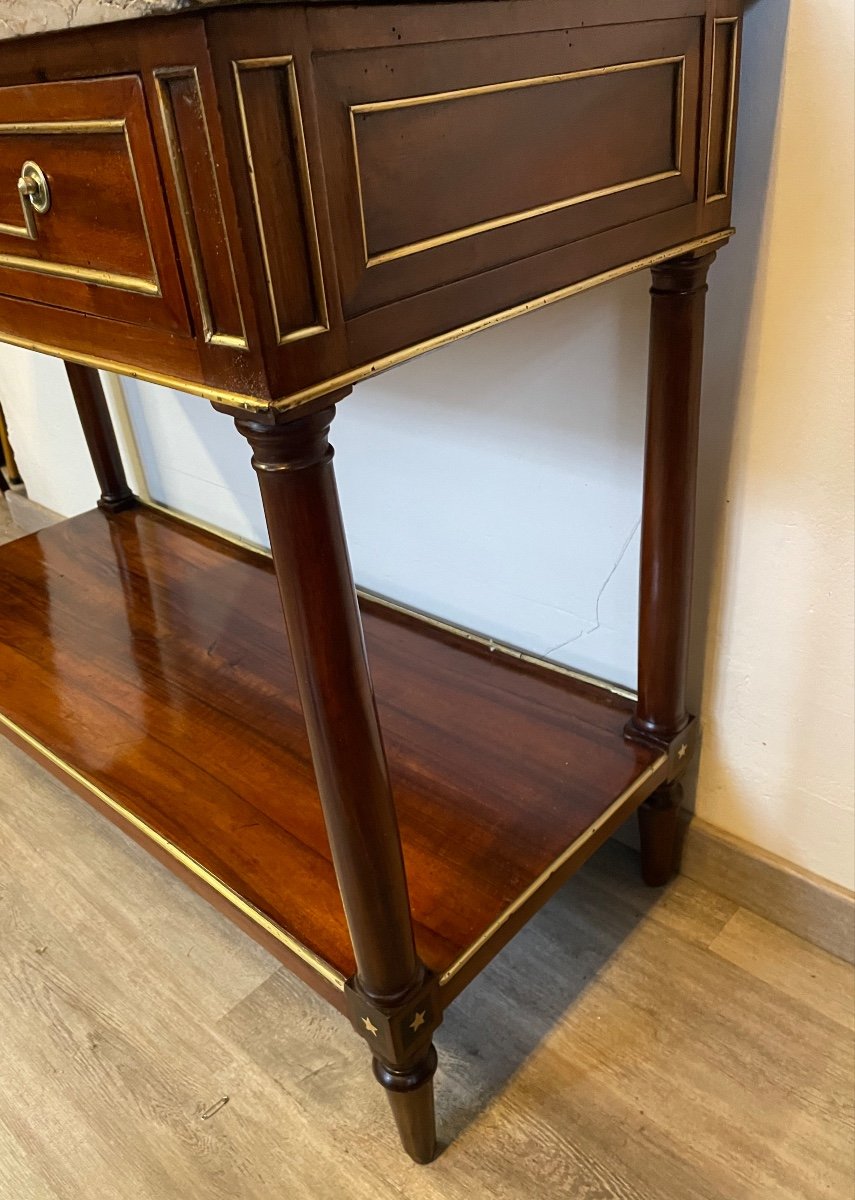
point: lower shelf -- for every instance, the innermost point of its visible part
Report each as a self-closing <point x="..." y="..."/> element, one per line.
<point x="146" y="663"/>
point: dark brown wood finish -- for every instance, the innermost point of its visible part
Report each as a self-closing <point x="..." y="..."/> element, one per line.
<point x="667" y="543"/>
<point x="264" y="204"/>
<point x="670" y="478"/>
<point x="294" y="466"/>
<point x="100" y="438"/>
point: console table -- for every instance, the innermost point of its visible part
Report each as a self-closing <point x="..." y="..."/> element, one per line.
<point x="263" y="205"/>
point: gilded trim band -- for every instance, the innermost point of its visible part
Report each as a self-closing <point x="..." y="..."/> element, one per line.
<point x="212" y="334"/>
<point x="455" y="235"/>
<point x="730" y="110"/>
<point x="297" y="948"/>
<point x="244" y="403"/>
<point x="287" y="63"/>
<point x="623" y="799"/>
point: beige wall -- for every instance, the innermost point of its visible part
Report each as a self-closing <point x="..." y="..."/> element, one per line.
<point x="777" y="767"/>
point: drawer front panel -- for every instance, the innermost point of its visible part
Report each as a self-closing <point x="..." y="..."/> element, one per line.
<point x="103" y="245"/>
<point x="466" y="155"/>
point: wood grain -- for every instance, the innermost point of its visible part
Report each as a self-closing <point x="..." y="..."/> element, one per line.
<point x="595" y="1081"/>
<point x="152" y="658"/>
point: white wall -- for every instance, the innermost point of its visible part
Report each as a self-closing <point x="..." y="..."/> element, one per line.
<point x="497" y="482"/>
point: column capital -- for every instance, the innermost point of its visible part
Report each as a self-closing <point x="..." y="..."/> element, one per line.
<point x="681" y="276"/>
<point x="289" y="445"/>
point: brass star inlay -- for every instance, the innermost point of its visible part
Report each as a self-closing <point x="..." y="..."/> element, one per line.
<point x="372" y="1029"/>
<point x="682" y="752"/>
<point x="417" y="1022"/>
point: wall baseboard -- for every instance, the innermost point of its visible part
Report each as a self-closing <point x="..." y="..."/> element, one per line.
<point x="806" y="904"/>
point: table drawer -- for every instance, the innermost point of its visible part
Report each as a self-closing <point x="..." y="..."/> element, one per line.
<point x="94" y="236"/>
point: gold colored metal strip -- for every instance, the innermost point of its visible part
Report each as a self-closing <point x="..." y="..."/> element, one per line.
<point x="731" y="109"/>
<point x="249" y="910"/>
<point x="501" y="648"/>
<point x="246" y="403"/>
<point x="546" y="875"/>
<point x="185" y="206"/>
<point x="373" y="260"/>
<point x="512" y="85"/>
<point x="469" y="635"/>
<point x="286" y="62"/>
<point x="123" y="283"/>
<point x="99" y="125"/>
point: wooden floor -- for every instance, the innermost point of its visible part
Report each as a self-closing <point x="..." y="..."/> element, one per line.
<point x="628" y="1045"/>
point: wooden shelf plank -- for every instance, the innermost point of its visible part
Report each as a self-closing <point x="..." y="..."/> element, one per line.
<point x="147" y="660"/>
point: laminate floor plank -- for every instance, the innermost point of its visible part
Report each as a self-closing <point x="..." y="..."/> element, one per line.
<point x="627" y="1045"/>
<point x="790" y="964"/>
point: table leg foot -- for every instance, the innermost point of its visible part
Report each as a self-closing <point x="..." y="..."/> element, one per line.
<point x="410" y="1093"/>
<point x="658" y="823"/>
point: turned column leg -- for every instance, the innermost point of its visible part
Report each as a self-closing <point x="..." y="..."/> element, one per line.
<point x="667" y="540"/>
<point x="391" y="995"/>
<point x="100" y="437"/>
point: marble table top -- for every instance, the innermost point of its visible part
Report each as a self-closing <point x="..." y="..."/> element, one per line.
<point x="21" y="17"/>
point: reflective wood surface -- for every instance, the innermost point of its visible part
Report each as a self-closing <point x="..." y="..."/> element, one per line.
<point x="150" y="657"/>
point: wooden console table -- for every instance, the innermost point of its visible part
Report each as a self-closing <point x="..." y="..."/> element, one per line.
<point x="263" y="205"/>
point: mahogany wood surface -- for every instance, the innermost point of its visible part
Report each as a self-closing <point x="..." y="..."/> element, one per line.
<point x="295" y="472"/>
<point x="678" y="297"/>
<point x="107" y="214"/>
<point x="150" y="657"/>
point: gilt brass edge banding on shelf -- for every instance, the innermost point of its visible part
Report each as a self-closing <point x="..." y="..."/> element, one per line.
<point x="285" y="61"/>
<point x="455" y="235"/>
<point x="249" y="910"/>
<point x="502" y="648"/>
<point x="347" y="378"/>
<point x="546" y="875"/>
<point x="112" y="279"/>
<point x="731" y="110"/>
<point x="214" y="336"/>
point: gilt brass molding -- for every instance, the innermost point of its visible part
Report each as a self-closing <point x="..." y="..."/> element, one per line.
<point x="244" y="403"/>
<point x="455" y="235"/>
<point x="731" y="109"/>
<point x="212" y="335"/>
<point x="287" y="63"/>
<point x="100" y="278"/>
<point x="302" y="952"/>
<point x="545" y="876"/>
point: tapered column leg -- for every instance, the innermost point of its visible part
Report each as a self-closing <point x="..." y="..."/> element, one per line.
<point x="667" y="540"/>
<point x="410" y="1094"/>
<point x="659" y="827"/>
<point x="390" y="1001"/>
<point x="100" y="438"/>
